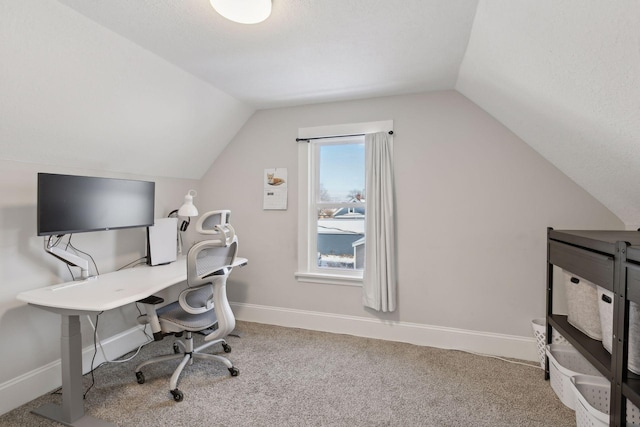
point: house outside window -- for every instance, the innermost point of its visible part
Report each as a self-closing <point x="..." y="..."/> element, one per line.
<point x="337" y="197"/>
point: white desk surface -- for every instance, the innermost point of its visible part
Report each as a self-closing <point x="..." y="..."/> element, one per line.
<point x="110" y="290"/>
<point x="105" y="292"/>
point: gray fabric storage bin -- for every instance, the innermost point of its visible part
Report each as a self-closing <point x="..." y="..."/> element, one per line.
<point x="605" y="303"/>
<point x="582" y="303"/>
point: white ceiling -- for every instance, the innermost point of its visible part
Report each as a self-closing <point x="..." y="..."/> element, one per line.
<point x="562" y="75"/>
<point x="307" y="51"/>
<point x="565" y="77"/>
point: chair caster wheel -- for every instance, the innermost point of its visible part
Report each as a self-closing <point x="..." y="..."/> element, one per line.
<point x="226" y="347"/>
<point x="234" y="371"/>
<point x="177" y="395"/>
<point x="140" y="377"/>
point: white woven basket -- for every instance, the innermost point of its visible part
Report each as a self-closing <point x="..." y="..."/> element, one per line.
<point x="539" y="327"/>
<point x="565" y="362"/>
<point x="593" y="402"/>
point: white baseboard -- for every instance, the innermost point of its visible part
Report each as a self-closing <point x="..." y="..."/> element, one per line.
<point x="26" y="387"/>
<point x="31" y="385"/>
<point x="510" y="346"/>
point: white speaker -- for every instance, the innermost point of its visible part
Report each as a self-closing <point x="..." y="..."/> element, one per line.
<point x="162" y="241"/>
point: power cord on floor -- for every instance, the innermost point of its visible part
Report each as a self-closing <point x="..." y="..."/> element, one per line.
<point x="93" y="359"/>
<point x="98" y="342"/>
<point x="515" y="362"/>
<point x="96" y="339"/>
<point x="144" y="330"/>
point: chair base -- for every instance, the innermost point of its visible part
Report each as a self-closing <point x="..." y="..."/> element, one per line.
<point x="186" y="352"/>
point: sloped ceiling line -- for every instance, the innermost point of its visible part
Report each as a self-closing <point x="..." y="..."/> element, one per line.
<point x="91" y="77"/>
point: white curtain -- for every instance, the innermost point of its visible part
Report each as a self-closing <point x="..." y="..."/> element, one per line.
<point x="379" y="280"/>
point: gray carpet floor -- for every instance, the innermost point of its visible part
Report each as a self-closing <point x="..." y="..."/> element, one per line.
<point x="295" y="377"/>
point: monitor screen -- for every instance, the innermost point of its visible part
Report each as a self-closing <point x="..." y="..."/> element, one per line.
<point x="75" y="204"/>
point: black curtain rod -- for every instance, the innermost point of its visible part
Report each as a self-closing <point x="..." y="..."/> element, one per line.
<point x="335" y="136"/>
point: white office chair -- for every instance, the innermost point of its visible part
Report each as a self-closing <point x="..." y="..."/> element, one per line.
<point x="199" y="307"/>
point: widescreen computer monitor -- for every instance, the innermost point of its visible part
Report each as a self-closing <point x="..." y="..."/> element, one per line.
<point x="76" y="204"/>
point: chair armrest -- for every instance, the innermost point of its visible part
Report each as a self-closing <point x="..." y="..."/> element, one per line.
<point x="151" y="300"/>
<point x="197" y="299"/>
<point x="151" y="317"/>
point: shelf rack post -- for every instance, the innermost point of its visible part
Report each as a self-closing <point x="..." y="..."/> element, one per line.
<point x="549" y="304"/>
<point x="620" y="341"/>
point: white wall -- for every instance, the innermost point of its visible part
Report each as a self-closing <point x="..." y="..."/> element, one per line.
<point x="473" y="199"/>
<point x="473" y="204"/>
<point x="31" y="335"/>
<point x="563" y="76"/>
<point x="77" y="96"/>
<point x="75" y="93"/>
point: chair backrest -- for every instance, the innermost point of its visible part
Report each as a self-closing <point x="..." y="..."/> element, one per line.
<point x="207" y="261"/>
<point x="208" y="220"/>
<point x="210" y="258"/>
<point x="216" y="223"/>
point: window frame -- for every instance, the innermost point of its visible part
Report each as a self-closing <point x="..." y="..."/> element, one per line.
<point x="307" y="212"/>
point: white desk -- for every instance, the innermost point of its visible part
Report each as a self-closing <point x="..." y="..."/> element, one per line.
<point x="74" y="299"/>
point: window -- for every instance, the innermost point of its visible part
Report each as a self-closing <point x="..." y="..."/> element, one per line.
<point x="337" y="203"/>
<point x="332" y="204"/>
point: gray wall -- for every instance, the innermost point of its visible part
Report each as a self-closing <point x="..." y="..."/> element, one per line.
<point x="75" y="95"/>
<point x="473" y="204"/>
<point x="473" y="199"/>
<point x="24" y="265"/>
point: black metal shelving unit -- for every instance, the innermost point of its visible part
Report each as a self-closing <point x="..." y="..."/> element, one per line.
<point x="610" y="259"/>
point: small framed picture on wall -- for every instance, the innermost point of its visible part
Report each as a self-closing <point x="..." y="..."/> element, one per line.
<point x="275" y="189"/>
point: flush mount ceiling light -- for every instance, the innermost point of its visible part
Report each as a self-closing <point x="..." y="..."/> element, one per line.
<point x="243" y="11"/>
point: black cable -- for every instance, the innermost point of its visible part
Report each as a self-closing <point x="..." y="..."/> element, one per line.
<point x="185" y="223"/>
<point x="70" y="245"/>
<point x="85" y="253"/>
<point x="56" y="243"/>
<point x="134" y="263"/>
<point x="93" y="359"/>
<point x="70" y="272"/>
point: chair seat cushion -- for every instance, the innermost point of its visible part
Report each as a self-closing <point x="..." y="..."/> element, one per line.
<point x="173" y="319"/>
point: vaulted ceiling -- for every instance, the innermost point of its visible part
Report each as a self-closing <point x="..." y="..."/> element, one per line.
<point x="307" y="51"/>
<point x="562" y="75"/>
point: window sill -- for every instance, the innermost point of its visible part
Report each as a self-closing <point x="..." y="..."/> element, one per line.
<point x="328" y="279"/>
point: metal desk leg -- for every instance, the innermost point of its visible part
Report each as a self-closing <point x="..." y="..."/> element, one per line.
<point x="71" y="413"/>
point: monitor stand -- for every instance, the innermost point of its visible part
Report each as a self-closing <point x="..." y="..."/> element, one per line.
<point x="69" y="258"/>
